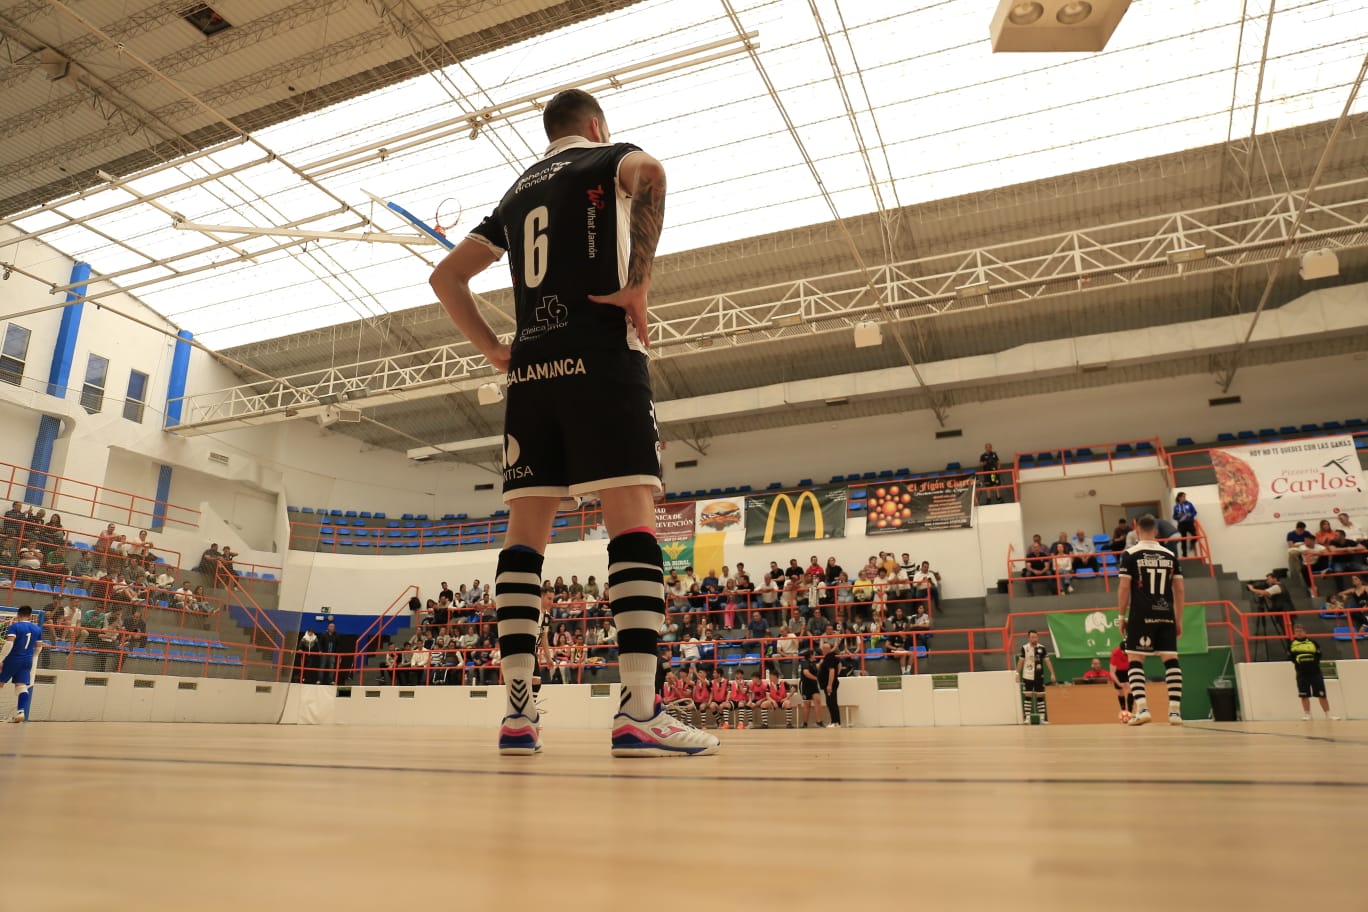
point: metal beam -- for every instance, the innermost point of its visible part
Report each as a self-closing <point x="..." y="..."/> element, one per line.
<point x="1018" y="273"/>
<point x="373" y="238"/>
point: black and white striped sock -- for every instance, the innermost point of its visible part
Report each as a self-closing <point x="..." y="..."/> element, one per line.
<point x="1136" y="676"/>
<point x="1173" y="676"/>
<point x="636" y="596"/>
<point x="517" y="602"/>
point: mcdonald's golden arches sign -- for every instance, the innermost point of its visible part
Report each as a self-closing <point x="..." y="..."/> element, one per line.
<point x="796" y="515"/>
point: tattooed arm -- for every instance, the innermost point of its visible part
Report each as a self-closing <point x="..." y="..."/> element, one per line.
<point x="643" y="179"/>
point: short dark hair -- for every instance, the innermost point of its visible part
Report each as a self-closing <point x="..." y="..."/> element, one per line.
<point x="1146" y="523"/>
<point x="567" y="111"/>
<point x="1031" y="631"/>
<point x="24" y="612"/>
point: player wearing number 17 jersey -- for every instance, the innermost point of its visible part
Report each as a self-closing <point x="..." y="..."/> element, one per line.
<point x="1150" y="587"/>
<point x="580" y="228"/>
<point x="23" y="639"/>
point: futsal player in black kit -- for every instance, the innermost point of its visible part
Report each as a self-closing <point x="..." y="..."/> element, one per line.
<point x="580" y="228"/>
<point x="1150" y="587"/>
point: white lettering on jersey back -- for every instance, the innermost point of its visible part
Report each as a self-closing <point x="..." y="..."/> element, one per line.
<point x="546" y="370"/>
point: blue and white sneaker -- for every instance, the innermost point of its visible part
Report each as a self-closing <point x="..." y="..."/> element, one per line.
<point x="662" y="735"/>
<point x="519" y="736"/>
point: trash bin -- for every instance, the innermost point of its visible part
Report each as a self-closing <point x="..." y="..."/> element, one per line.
<point x="1223" y="704"/>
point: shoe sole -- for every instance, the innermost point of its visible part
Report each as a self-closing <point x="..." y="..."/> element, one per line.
<point x="519" y="751"/>
<point x="644" y="751"/>
<point x="1137" y="721"/>
<point x="1173" y="721"/>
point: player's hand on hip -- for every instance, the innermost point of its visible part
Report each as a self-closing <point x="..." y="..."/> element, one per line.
<point x="633" y="301"/>
<point x="499" y="357"/>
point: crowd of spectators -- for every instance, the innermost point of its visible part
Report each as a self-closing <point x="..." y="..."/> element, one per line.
<point x="1333" y="561"/>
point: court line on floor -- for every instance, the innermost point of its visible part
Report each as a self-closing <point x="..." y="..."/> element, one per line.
<point x="772" y="780"/>
<point x="1296" y="737"/>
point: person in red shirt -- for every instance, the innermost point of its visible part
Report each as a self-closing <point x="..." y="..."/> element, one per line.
<point x="677" y="697"/>
<point x="815" y="569"/>
<point x="758" y="698"/>
<point x="720" y="704"/>
<point x="702" y="692"/>
<point x="740" y="699"/>
<point x="1120" y="668"/>
<point x="1096" y="671"/>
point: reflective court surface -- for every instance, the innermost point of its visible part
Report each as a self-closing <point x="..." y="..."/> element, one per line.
<point x="216" y="817"/>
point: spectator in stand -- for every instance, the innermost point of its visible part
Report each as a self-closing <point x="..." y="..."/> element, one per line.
<point x="862" y="593"/>
<point x="1345" y="557"/>
<point x="1354" y="597"/>
<point x="308" y="657"/>
<point x="843" y="598"/>
<point x="831" y="573"/>
<point x="56" y="564"/>
<point x="793" y="571"/>
<point x="920" y="624"/>
<point x="1063" y="568"/>
<point x="14" y="519"/>
<point x="814" y="568"/>
<point x="141" y="547"/>
<point x="330" y="644"/>
<point x="1314" y="557"/>
<point x="53" y="535"/>
<point x="878" y="603"/>
<point x="1085" y="556"/>
<point x="164" y="579"/>
<point x="1296" y="536"/>
<point x="209" y="560"/>
<point x="768" y="593"/>
<point x="1185" y="515"/>
<point x="1273" y="598"/>
<point x="758" y="628"/>
<point x="1351" y="531"/>
<point x="1119" y="534"/>
<point x="1037" y="565"/>
<point x="1325" y="533"/>
<point x="136" y="629"/>
<point x="926" y="584"/>
<point x="31" y="560"/>
<point x="988" y="477"/>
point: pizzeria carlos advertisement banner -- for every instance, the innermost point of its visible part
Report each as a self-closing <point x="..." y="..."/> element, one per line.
<point x="1094" y="634"/>
<point x="809" y="514"/>
<point x="921" y="505"/>
<point x="1285" y="482"/>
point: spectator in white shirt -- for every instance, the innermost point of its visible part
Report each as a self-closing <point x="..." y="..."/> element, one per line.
<point x="926" y="584"/>
<point x="1351" y="531"/>
<point x="1063" y="568"/>
<point x="1313" y="555"/>
<point x="1085" y="554"/>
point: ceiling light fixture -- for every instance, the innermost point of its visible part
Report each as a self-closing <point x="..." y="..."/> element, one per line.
<point x="972" y="290"/>
<point x="1186" y="255"/>
<point x="1025" y="13"/>
<point x="793" y="319"/>
<point x="1074" y="12"/>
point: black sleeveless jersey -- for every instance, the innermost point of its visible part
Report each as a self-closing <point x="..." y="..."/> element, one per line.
<point x="565" y="226"/>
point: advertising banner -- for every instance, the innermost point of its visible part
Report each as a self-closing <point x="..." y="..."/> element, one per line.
<point x="674" y="521"/>
<point x="1285" y="482"/>
<point x="921" y="505"/>
<point x="811" y="514"/>
<point x="1094" y="634"/>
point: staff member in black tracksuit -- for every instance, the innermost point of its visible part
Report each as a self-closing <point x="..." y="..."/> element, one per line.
<point x="829" y="677"/>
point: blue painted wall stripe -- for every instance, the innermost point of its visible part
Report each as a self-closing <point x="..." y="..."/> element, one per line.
<point x="65" y="350"/>
<point x="163" y="494"/>
<point x="180" y="371"/>
<point x="48" y="429"/>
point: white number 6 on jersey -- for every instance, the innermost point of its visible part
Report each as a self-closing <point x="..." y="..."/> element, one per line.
<point x="536" y="246"/>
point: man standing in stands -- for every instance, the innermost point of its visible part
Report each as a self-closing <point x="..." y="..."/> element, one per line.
<point x="580" y="227"/>
<point x="988" y="477"/>
<point x="330" y="646"/>
<point x="1185" y="515"/>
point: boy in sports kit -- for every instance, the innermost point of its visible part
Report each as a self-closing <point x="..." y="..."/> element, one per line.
<point x="1150" y="594"/>
<point x="702" y="694"/>
<point x="23" y="640"/>
<point x="1032" y="662"/>
<point x="720" y="704"/>
<point x="580" y="228"/>
<point x="1120" y="678"/>
<point x="759" y="698"/>
<point x="740" y="700"/>
<point x="1305" y="654"/>
<point x="777" y="697"/>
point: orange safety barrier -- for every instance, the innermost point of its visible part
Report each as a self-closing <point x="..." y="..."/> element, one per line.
<point x="46" y="537"/>
<point x="82" y="498"/>
<point x="39" y="588"/>
<point x="263" y="628"/>
<point x="115" y="649"/>
<point x="1092" y="455"/>
<point x="370" y="637"/>
<point x="1020" y="623"/>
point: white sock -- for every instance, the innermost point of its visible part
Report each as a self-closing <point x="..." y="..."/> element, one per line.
<point x="638" y="671"/>
<point x="517" y="677"/>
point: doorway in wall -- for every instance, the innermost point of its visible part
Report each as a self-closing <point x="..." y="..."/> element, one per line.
<point x="1132" y="511"/>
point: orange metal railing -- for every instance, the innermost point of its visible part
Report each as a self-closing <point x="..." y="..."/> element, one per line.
<point x="82" y="498"/>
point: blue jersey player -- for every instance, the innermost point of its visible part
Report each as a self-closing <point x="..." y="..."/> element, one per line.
<point x="22" y="642"/>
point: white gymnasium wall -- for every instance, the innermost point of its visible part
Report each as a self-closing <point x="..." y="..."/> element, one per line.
<point x="1068" y="504"/>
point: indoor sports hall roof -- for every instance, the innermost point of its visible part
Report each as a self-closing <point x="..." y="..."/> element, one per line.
<point x="828" y="162"/>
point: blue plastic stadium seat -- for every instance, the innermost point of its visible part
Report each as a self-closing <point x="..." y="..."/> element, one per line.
<point x="463" y="516"/>
<point x="80" y="546"/>
<point x="857" y="506"/>
<point x="1310" y="428"/>
<point x="952" y="467"/>
<point x="874" y="654"/>
<point x="714" y="492"/>
<point x="1331" y="426"/>
<point x="1185" y="441"/>
<point x="292" y="509"/>
<point x="672" y="495"/>
<point x="413" y="534"/>
<point x="858" y="493"/>
<point x="1124" y="449"/>
<point x="1353" y="422"/>
<point x="341" y="522"/>
<point x="350" y="514"/>
<point x="744" y="489"/>
<point x="1027" y="460"/>
<point x="805" y="483"/>
<point x="334" y="512"/>
<point x="366" y="514"/>
<point x="421" y="517"/>
<point x="1225" y="437"/>
<point x="1361" y="443"/>
<point x="886" y="474"/>
<point x="560" y="523"/>
<point x="1345" y="634"/>
<point x="867" y="476"/>
<point x="306" y="509"/>
<point x="921" y="652"/>
<point x="500" y="528"/>
<point x="774" y="486"/>
<point x="1245" y="435"/>
<point x="380" y="516"/>
<point x="1267" y="432"/>
<point x="903" y="473"/>
<point x="407" y="516"/>
<point x="410" y="525"/>
<point x="1144" y="446"/>
<point x="731" y="490"/>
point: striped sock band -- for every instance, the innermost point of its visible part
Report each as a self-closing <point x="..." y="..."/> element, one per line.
<point x="517" y="603"/>
<point x="1173" y="676"/>
<point x="636" y="597"/>
<point x="1136" y="676"/>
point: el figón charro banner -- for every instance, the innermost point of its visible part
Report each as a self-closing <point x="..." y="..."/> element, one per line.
<point x="921" y="505"/>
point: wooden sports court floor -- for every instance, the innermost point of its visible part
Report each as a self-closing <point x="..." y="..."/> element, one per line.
<point x="194" y="818"/>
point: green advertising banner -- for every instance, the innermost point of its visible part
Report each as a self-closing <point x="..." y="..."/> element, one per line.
<point x="677" y="555"/>
<point x="811" y="514"/>
<point x="1089" y="634"/>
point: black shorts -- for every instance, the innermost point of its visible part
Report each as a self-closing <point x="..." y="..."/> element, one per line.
<point x="579" y="424"/>
<point x="1310" y="682"/>
<point x="1151" y="635"/>
<point x="809" y="692"/>
<point x="1035" y="686"/>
